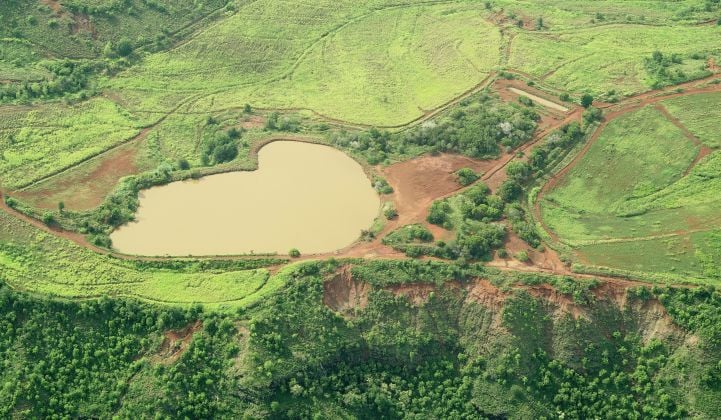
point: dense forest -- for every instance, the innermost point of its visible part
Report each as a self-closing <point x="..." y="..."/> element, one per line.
<point x="420" y="341"/>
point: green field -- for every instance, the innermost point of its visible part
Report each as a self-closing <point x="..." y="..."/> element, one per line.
<point x="516" y="271"/>
<point x="699" y="113"/>
<point x="633" y="203"/>
<point x="337" y="59"/>
<point x="39" y="262"/>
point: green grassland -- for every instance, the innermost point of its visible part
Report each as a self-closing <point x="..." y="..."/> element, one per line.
<point x="38" y="141"/>
<point x="340" y="60"/>
<point x="629" y="204"/>
<point x="36" y="261"/>
<point x="700" y="114"/>
<point x="568" y="14"/>
<point x="608" y="58"/>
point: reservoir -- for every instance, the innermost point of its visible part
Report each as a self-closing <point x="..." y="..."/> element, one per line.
<point x="306" y="196"/>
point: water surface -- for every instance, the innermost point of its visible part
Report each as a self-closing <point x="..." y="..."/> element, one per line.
<point x="306" y="196"/>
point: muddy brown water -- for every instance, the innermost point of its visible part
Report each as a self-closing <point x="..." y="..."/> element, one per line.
<point x="306" y="196"/>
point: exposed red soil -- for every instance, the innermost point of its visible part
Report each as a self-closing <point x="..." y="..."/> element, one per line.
<point x="54" y="5"/>
<point x="84" y="190"/>
<point x="344" y="294"/>
<point x="416" y="293"/>
<point x="485" y="293"/>
<point x="176" y="342"/>
<point x="546" y="260"/>
<point x="420" y="181"/>
<point x="253" y="121"/>
<point x="712" y="67"/>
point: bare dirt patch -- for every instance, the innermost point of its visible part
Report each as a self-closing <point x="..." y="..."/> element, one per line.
<point x="543" y="101"/>
<point x="253" y="121"/>
<point x="55" y="6"/>
<point x="344" y="294"/>
<point x="175" y="343"/>
<point x="420" y="181"/>
<point x="85" y="186"/>
<point x="563" y="304"/>
<point x="485" y="293"/>
<point x="417" y="293"/>
<point x="546" y="260"/>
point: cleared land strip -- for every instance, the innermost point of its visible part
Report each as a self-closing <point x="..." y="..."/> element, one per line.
<point x="538" y="99"/>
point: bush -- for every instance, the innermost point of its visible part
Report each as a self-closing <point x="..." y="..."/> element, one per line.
<point x="124" y="47"/>
<point x="183" y="164"/>
<point x="586" y="100"/>
<point x="525" y="100"/>
<point x="438" y="213"/>
<point x="294" y="253"/>
<point x="382" y="186"/>
<point x="466" y="176"/>
<point x="48" y="218"/>
<point x="564" y="97"/>
<point x="523" y="257"/>
<point x="591" y="115"/>
<point x="390" y="213"/>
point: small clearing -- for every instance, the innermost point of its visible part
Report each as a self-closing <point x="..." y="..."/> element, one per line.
<point x="539" y="100"/>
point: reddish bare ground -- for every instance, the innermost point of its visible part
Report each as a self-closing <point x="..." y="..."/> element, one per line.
<point x="344" y="294"/>
<point x="175" y="343"/>
<point x="712" y="67"/>
<point x="420" y="181"/>
<point x="253" y="121"/>
<point x="85" y="186"/>
<point x="54" y="5"/>
<point x="546" y="260"/>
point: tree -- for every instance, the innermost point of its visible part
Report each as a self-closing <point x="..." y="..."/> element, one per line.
<point x="592" y="114"/>
<point x="586" y="100"/>
<point x="247" y="109"/>
<point x="61" y="207"/>
<point x="294" y="253"/>
<point x="539" y="23"/>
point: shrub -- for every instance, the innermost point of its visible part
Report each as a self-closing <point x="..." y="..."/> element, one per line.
<point x="523" y="257"/>
<point x="525" y="100"/>
<point x="564" y="97"/>
<point x="183" y="164"/>
<point x="390" y="213"/>
<point x="382" y="186"/>
<point x="124" y="47"/>
<point x="591" y="115"/>
<point x="48" y="218"/>
<point x="466" y="176"/>
<point x="294" y="253"/>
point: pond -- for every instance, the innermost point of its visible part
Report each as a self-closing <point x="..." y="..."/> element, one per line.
<point x="305" y="196"/>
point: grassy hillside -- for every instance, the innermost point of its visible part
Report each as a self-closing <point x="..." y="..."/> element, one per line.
<point x="641" y="193"/>
<point x="462" y="348"/>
